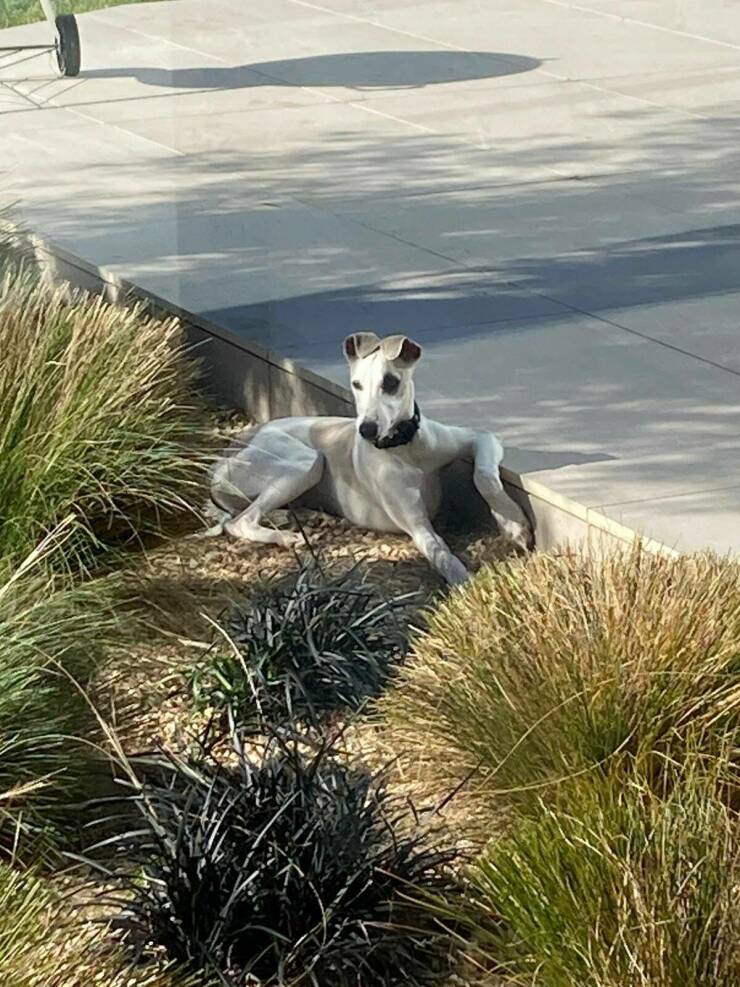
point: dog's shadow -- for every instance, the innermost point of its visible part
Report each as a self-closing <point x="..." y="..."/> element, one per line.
<point x="463" y="511"/>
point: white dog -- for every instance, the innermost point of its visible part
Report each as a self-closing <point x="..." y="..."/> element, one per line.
<point x="380" y="471"/>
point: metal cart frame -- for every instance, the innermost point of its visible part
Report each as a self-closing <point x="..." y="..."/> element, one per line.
<point x="66" y="44"/>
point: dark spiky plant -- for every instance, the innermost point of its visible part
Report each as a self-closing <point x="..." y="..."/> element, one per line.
<point x="293" y="870"/>
<point x="303" y="649"/>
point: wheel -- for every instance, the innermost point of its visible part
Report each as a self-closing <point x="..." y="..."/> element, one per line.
<point x="68" y="45"/>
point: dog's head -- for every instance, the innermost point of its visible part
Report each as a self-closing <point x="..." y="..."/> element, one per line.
<point x="381" y="374"/>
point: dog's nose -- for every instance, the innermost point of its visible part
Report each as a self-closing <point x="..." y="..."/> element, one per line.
<point x="369" y="430"/>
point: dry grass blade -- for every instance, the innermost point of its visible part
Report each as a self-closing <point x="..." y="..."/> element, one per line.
<point x="614" y="887"/>
<point x="589" y="712"/>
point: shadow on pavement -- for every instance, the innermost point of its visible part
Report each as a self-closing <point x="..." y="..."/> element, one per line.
<point x="359" y="70"/>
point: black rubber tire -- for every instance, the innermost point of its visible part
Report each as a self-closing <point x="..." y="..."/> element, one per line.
<point x="68" y="45"/>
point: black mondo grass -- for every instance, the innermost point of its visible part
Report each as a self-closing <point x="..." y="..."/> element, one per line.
<point x="292" y="871"/>
<point x="322" y="643"/>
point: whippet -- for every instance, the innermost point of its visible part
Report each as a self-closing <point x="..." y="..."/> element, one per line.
<point x="380" y="471"/>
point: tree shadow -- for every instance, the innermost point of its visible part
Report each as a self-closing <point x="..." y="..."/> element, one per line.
<point x="354" y="70"/>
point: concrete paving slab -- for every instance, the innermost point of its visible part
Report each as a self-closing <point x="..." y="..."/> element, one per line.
<point x="573" y="42"/>
<point x="312" y="326"/>
<point x="689" y="522"/>
<point x="106" y="49"/>
<point x="336" y="151"/>
<point x="574" y="129"/>
<point x="18" y="103"/>
<point x="112" y="95"/>
<point x="338" y="56"/>
<point x="150" y="72"/>
<point x="707" y="325"/>
<point x="546" y="233"/>
<point x="14" y="105"/>
<point x="137" y="94"/>
<point x="711" y="19"/>
<point x="711" y="92"/>
<point x="43" y="168"/>
<point x="659" y="268"/>
<point x="245" y="253"/>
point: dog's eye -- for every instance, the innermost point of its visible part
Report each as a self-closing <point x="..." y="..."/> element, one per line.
<point x="390" y="384"/>
<point x="357" y="385"/>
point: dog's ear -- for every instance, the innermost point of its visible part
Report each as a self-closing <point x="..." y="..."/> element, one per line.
<point x="401" y="349"/>
<point x="360" y="344"/>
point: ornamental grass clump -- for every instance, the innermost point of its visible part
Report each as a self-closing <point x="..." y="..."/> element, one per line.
<point x="322" y="642"/>
<point x="294" y="870"/>
<point x="549" y="667"/>
<point x="586" y="713"/>
<point x="51" y="641"/>
<point x="612" y="886"/>
<point x="96" y="420"/>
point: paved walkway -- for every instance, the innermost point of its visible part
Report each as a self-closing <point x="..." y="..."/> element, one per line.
<point x="544" y="193"/>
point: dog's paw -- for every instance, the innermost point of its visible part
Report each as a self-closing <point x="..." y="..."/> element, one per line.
<point x="288" y="539"/>
<point x="517" y="533"/>
<point x="455" y="573"/>
<point x="257" y="534"/>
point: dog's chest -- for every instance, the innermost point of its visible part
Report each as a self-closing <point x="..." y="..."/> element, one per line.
<point x="368" y="488"/>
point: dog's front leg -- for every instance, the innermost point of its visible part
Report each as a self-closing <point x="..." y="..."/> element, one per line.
<point x="410" y="514"/>
<point x="487" y="455"/>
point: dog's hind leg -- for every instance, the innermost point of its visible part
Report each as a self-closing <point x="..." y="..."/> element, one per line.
<point x="283" y="471"/>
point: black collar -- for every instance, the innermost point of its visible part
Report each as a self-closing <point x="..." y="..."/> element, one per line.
<point x="403" y="432"/>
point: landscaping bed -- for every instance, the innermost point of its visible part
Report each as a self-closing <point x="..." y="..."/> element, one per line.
<point x="227" y="764"/>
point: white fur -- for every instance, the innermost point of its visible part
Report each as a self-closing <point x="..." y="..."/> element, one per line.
<point x="385" y="489"/>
